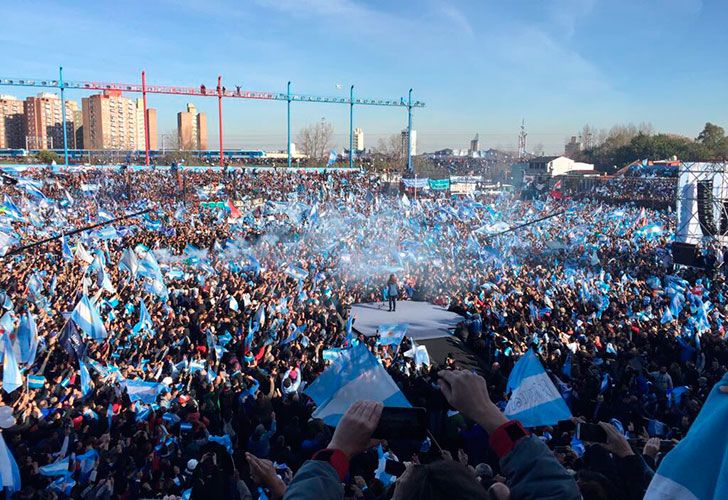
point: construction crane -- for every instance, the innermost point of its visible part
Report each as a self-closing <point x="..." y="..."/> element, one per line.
<point x="220" y="92"/>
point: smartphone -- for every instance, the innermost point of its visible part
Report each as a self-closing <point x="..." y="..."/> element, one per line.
<point x="394" y="468"/>
<point x="666" y="445"/>
<point x="591" y="432"/>
<point x="565" y="425"/>
<point x="402" y="423"/>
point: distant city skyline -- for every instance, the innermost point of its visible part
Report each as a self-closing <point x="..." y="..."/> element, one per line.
<point x="481" y="66"/>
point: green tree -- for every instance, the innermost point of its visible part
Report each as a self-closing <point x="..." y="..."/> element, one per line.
<point x="711" y="136"/>
<point x="48" y="157"/>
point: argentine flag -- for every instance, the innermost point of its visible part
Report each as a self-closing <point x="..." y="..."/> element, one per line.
<point x="419" y="355"/>
<point x="141" y="390"/>
<point x="12" y="378"/>
<point x="535" y="400"/>
<point x="355" y="375"/>
<point x="9" y="472"/>
<point x="88" y="319"/>
<point x="392" y="333"/>
<point x="697" y="467"/>
<point x="145" y="320"/>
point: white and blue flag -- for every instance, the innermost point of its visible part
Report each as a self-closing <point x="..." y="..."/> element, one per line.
<point x="392" y="333"/>
<point x="355" y="375"/>
<point x="419" y="355"/>
<point x="27" y="338"/>
<point x="12" y="378"/>
<point x="535" y="400"/>
<point x="85" y="378"/>
<point x="697" y="467"/>
<point x="129" y="262"/>
<point x="58" y="468"/>
<point x="145" y="319"/>
<point x="141" y="390"/>
<point x="9" y="472"/>
<point x="88" y="319"/>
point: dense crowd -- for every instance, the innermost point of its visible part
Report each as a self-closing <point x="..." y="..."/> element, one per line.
<point x="208" y="322"/>
<point x="660" y="190"/>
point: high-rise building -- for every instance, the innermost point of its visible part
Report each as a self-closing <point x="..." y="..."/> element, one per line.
<point x="358" y="139"/>
<point x="152" y="124"/>
<point x="112" y="121"/>
<point x="475" y="144"/>
<point x="44" y="121"/>
<point x="12" y="122"/>
<point x="192" y="129"/>
<point x="76" y="142"/>
<point x="413" y="143"/>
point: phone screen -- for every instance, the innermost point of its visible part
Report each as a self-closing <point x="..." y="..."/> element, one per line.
<point x="403" y="423"/>
<point x="394" y="468"/>
<point x="591" y="432"/>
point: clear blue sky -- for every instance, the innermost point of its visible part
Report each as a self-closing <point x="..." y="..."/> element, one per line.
<point x="480" y="65"/>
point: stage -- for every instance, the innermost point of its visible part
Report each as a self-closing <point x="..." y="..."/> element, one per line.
<point x="430" y="325"/>
<point x="425" y="320"/>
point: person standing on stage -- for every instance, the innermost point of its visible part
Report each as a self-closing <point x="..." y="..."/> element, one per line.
<point x="392" y="292"/>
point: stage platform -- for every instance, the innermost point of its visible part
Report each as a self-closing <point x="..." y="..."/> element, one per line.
<point x="425" y="320"/>
<point x="430" y="325"/>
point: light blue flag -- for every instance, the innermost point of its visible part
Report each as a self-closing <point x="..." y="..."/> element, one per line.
<point x="12" y="378"/>
<point x="331" y="354"/>
<point x="7" y="321"/>
<point x="349" y="323"/>
<point x="535" y="400"/>
<point x="9" y="472"/>
<point x="675" y="395"/>
<point x="88" y="319"/>
<point x="419" y="355"/>
<point x="259" y="318"/>
<point x="66" y="250"/>
<point x="697" y="467"/>
<point x="129" y="262"/>
<point x="655" y="428"/>
<point x="356" y="375"/>
<point x="85" y="378"/>
<point x="294" y="335"/>
<point x="145" y="320"/>
<point x="36" y="381"/>
<point x="296" y="272"/>
<point x="223" y="440"/>
<point x="234" y="304"/>
<point x="110" y="414"/>
<point x="332" y="158"/>
<point x="27" y="338"/>
<point x="392" y="333"/>
<point x="58" y="468"/>
<point x="605" y="384"/>
<point x="380" y="473"/>
<point x="141" y="390"/>
<point x="63" y="485"/>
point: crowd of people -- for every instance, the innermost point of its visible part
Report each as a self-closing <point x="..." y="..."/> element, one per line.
<point x="658" y="191"/>
<point x="165" y="352"/>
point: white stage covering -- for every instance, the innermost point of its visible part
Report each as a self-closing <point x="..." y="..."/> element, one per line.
<point x="425" y="320"/>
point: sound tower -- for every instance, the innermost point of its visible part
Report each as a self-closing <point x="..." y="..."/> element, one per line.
<point x="705" y="208"/>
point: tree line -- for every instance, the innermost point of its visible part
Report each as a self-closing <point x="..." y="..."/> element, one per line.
<point x="623" y="144"/>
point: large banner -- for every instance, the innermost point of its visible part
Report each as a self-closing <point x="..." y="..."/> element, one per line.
<point x="465" y="179"/>
<point x="439" y="184"/>
<point x="462" y="188"/>
<point x="419" y="183"/>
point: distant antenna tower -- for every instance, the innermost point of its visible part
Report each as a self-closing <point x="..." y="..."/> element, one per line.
<point x="522" y="141"/>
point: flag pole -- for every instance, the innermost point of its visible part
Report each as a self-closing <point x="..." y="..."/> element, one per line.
<point x="18" y="250"/>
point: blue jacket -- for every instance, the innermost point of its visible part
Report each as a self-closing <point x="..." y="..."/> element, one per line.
<point x="315" y="480"/>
